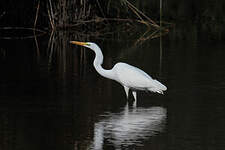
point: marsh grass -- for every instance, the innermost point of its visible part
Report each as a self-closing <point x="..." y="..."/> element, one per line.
<point x="81" y="14"/>
<point x="97" y="17"/>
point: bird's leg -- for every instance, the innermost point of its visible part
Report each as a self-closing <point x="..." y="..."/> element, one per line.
<point x="135" y="98"/>
<point x="126" y="90"/>
<point x="126" y="109"/>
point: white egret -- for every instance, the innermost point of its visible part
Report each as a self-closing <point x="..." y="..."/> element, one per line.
<point x="130" y="77"/>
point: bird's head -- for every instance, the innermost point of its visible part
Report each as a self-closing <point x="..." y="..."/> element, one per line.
<point x="90" y="45"/>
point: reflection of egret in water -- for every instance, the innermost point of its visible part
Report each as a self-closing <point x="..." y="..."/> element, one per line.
<point x="129" y="127"/>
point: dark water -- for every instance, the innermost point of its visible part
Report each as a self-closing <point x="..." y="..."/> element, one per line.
<point x="52" y="98"/>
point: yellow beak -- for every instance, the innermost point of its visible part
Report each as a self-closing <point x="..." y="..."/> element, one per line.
<point x="78" y="43"/>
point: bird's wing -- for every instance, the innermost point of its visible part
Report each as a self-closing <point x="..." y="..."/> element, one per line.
<point x="131" y="76"/>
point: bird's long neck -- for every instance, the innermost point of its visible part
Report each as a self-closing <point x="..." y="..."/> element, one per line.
<point x="98" y="64"/>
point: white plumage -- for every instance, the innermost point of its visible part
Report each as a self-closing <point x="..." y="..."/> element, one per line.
<point x="129" y="76"/>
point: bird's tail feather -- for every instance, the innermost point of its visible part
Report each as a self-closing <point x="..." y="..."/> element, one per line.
<point x="157" y="87"/>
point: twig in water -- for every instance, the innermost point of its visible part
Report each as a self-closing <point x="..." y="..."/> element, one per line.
<point x="136" y="11"/>
<point x="51" y="15"/>
<point x="160" y="13"/>
<point x="142" y="37"/>
<point x="37" y="46"/>
<point x="50" y="48"/>
<point x="37" y="12"/>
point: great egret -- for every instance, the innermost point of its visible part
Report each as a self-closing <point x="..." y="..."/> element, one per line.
<point x="128" y="76"/>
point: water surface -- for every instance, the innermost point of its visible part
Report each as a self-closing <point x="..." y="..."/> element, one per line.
<point x="51" y="97"/>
